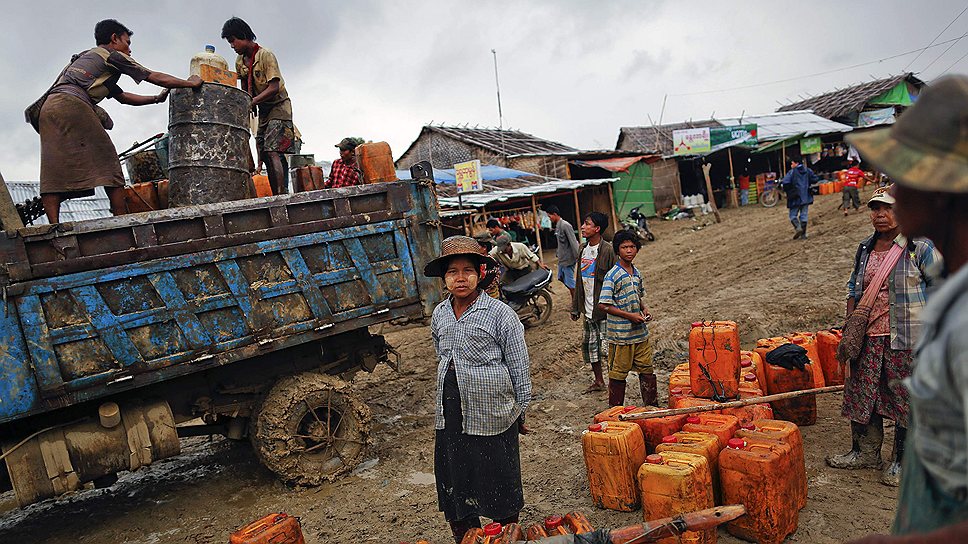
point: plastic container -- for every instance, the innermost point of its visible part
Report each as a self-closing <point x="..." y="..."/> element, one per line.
<point x="800" y="410"/>
<point x="512" y="532"/>
<point x="577" y="523"/>
<point x="757" y="361"/>
<point x="723" y="426"/>
<point x="714" y="346"/>
<point x="613" y="453"/>
<point x="744" y="414"/>
<point x="789" y="434"/>
<point x="654" y="430"/>
<point x="261" y="186"/>
<point x="749" y="381"/>
<point x="376" y="162"/>
<point x="704" y="444"/>
<point x="808" y="341"/>
<point x="492" y="533"/>
<point x="672" y="483"/>
<point x="756" y="474"/>
<point x="827" y="342"/>
<point x="554" y="525"/>
<point x="535" y="532"/>
<point x="207" y="57"/>
<point x="612" y="413"/>
<point x="277" y="528"/>
<point x="679" y="377"/>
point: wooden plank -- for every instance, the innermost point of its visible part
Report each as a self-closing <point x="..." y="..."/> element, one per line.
<point x="9" y="218"/>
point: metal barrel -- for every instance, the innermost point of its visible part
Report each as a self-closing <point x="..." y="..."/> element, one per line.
<point x="208" y="147"/>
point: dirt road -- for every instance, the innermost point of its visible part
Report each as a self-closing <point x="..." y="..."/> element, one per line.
<point x="746" y="269"/>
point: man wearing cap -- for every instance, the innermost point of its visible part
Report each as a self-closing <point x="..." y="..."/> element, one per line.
<point x="344" y="172"/>
<point x="517" y="258"/>
<point x="926" y="154"/>
<point x="483" y="390"/>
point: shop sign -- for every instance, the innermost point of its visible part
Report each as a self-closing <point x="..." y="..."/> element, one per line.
<point x="691" y="141"/>
<point x="468" y="176"/>
<point x="809" y="146"/>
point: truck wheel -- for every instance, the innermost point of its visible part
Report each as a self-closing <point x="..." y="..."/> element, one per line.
<point x="310" y="429"/>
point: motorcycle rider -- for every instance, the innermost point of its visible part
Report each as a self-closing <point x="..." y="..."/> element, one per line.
<point x="517" y="259"/>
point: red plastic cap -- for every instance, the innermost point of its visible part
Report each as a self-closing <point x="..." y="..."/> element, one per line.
<point x="798" y="340"/>
<point x="552" y="522"/>
<point x="492" y="529"/>
<point x="654" y="459"/>
<point x="748" y="426"/>
<point x="745" y="363"/>
<point x="693" y="419"/>
<point x="676" y="391"/>
<point x="628" y="409"/>
<point x="736" y="443"/>
<point x="595" y="427"/>
<point x="671" y="439"/>
<point x="696" y="324"/>
<point x="749" y="376"/>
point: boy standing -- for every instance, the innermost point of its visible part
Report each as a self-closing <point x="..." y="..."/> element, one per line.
<point x="628" y="337"/>
<point x="596" y="260"/>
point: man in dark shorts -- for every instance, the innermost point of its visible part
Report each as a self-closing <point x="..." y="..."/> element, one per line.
<point x="258" y="71"/>
<point x="76" y="153"/>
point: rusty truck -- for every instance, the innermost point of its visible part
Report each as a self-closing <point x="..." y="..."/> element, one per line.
<point x="121" y="336"/>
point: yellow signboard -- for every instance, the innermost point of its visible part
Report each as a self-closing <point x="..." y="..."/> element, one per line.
<point x="468" y="176"/>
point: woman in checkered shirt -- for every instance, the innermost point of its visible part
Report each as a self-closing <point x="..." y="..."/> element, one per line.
<point x="483" y="389"/>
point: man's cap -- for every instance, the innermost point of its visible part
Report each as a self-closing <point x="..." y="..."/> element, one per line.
<point x="882" y="194"/>
<point x="502" y="241"/>
<point x="347" y="144"/>
<point x="453" y="246"/>
<point x="484" y="238"/>
<point x="927" y="149"/>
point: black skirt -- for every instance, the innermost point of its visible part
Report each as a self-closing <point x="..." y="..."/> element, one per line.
<point x="476" y="475"/>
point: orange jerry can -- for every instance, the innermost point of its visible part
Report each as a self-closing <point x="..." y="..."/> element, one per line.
<point x="260" y="185"/>
<point x="789" y="434"/>
<point x="554" y="525"/>
<point x="376" y="162"/>
<point x="743" y="414"/>
<point x="535" y="532"/>
<point x="679" y="377"/>
<point x="273" y="529"/>
<point x="613" y="451"/>
<point x="655" y="429"/>
<point x="723" y="426"/>
<point x="511" y="533"/>
<point x="144" y="197"/>
<point x="799" y="410"/>
<point x="807" y="341"/>
<point x="756" y="474"/>
<point x="714" y="346"/>
<point x="578" y="523"/>
<point x="303" y="181"/>
<point x="678" y="393"/>
<point x="704" y="444"/>
<point x="673" y="482"/>
<point x="757" y="362"/>
<point x="827" y="342"/>
<point x="612" y="413"/>
<point x="749" y="381"/>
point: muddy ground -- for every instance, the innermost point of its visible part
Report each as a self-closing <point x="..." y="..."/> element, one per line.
<point x="745" y="269"/>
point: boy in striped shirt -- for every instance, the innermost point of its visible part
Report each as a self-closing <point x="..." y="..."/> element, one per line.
<point x="628" y="337"/>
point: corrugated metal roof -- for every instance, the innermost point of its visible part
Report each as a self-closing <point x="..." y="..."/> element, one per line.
<point x="75" y="209"/>
<point x="524" y="189"/>
<point x="777" y="126"/>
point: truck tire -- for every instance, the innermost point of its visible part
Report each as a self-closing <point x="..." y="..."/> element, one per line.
<point x="309" y="429"/>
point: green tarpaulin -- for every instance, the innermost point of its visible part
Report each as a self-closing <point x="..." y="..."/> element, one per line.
<point x="897" y="96"/>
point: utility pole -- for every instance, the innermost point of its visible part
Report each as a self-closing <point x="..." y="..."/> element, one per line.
<point x="500" y="114"/>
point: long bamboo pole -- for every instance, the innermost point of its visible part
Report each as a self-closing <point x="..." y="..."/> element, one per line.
<point x="537" y="225"/>
<point x="732" y="404"/>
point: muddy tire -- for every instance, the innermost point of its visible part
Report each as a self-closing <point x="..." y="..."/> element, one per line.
<point x="310" y="429"/>
<point x="541" y="308"/>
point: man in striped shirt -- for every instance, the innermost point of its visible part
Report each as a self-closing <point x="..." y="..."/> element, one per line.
<point x="628" y="337"/>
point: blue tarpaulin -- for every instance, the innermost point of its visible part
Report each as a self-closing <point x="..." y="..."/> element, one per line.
<point x="489" y="172"/>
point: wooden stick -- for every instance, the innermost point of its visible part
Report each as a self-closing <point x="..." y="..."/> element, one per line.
<point x="709" y="192"/>
<point x="732" y="404"/>
<point x="655" y="530"/>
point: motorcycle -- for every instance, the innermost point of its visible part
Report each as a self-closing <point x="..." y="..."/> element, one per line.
<point x="530" y="297"/>
<point x="636" y="223"/>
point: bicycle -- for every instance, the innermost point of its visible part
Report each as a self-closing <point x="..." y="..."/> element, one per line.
<point x="771" y="194"/>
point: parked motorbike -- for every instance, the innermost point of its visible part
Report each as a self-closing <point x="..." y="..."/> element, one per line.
<point x="530" y="297"/>
<point x="636" y="223"/>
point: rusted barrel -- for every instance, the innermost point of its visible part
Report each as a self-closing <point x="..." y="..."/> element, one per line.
<point x="208" y="149"/>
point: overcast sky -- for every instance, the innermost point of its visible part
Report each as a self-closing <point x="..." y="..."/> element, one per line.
<point x="571" y="71"/>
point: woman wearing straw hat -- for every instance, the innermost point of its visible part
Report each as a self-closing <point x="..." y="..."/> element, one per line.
<point x="873" y="386"/>
<point x="483" y="389"/>
<point x="926" y="154"/>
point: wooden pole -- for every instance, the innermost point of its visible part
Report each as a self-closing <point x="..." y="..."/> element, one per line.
<point x="537" y="224"/>
<point x="574" y="193"/>
<point x="611" y="204"/>
<point x="732" y="180"/>
<point x="709" y="191"/>
<point x="784" y="165"/>
<point x="655" y="530"/>
<point x="9" y="218"/>
<point x="732" y="404"/>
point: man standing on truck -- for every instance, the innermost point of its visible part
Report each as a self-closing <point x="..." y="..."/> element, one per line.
<point x="76" y="153"/>
<point x="344" y="172"/>
<point x="258" y="71"/>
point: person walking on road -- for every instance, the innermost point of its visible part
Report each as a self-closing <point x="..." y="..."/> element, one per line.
<point x="926" y="154"/>
<point x="597" y="258"/>
<point x="76" y="153"/>
<point x="873" y="382"/>
<point x="567" y="252"/>
<point x="797" y="184"/>
<point x="629" y="348"/>
<point x="483" y="390"/>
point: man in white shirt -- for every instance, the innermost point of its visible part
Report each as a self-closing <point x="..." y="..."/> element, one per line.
<point x="595" y="260"/>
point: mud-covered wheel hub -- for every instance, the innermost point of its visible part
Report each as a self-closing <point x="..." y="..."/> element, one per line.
<point x="310" y="429"/>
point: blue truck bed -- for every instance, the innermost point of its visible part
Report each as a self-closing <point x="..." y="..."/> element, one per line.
<point x="95" y="308"/>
